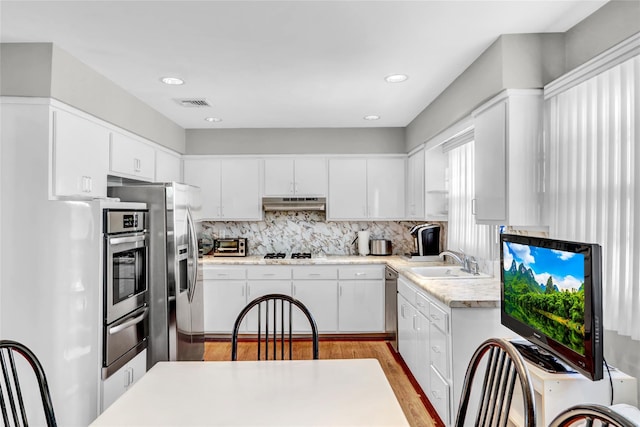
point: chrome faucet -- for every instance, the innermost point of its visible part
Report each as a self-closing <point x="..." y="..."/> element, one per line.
<point x="452" y="255"/>
<point x="468" y="263"/>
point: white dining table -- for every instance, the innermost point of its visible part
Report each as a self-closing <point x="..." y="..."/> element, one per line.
<point x="353" y="392"/>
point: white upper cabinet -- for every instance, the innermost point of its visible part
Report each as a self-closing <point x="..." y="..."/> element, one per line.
<point x="347" y="189"/>
<point x="371" y="188"/>
<point x="168" y="167"/>
<point x="80" y="160"/>
<point x="415" y="185"/>
<point x="385" y="188"/>
<point x="436" y="191"/>
<point x="131" y="158"/>
<point x="295" y="177"/>
<point x="230" y="187"/>
<point x="509" y="159"/>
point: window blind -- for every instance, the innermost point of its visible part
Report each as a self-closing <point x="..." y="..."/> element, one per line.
<point x="463" y="233"/>
<point x="594" y="181"/>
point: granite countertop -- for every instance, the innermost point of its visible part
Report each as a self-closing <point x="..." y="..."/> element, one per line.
<point x="455" y="293"/>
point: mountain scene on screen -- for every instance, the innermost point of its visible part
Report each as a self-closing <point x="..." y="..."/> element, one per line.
<point x="544" y="289"/>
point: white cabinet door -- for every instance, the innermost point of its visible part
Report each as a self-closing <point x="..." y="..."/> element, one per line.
<point x="347" y="189"/>
<point x="129" y="157"/>
<point x="279" y="177"/>
<point x="436" y="195"/>
<point x="80" y="156"/>
<point x="407" y="337"/>
<point x="509" y="159"/>
<point x="490" y="161"/>
<point x="361" y="306"/>
<point x="310" y="177"/>
<point x="168" y="167"/>
<point x="321" y="298"/>
<point x="240" y="189"/>
<point x="299" y="177"/>
<point x="366" y="188"/>
<point x="258" y="288"/>
<point x="223" y="301"/>
<point x="415" y="185"/>
<point x="385" y="188"/>
<point x="205" y="173"/>
<point x="120" y="381"/>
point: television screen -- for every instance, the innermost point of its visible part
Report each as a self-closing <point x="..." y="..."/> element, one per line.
<point x="551" y="297"/>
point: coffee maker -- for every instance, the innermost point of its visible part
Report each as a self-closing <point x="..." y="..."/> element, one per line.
<point x="426" y="240"/>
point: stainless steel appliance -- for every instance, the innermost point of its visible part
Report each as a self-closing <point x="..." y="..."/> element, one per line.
<point x="426" y="239"/>
<point x="230" y="247"/>
<point x="380" y="247"/>
<point x="126" y="253"/>
<point x="391" y="306"/>
<point x="294" y="203"/>
<point x="175" y="297"/>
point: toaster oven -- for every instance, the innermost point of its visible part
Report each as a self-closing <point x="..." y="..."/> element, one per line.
<point x="236" y="246"/>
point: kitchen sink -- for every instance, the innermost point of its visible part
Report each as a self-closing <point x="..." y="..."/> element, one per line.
<point x="445" y="272"/>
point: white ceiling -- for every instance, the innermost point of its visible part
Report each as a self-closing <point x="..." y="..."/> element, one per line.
<point x="283" y="63"/>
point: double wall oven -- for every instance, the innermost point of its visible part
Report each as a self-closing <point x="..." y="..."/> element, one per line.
<point x="126" y="272"/>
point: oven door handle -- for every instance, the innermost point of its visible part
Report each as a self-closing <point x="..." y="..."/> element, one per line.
<point x="128" y="239"/>
<point x="126" y="323"/>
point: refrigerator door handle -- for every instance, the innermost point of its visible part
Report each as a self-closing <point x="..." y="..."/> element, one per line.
<point x="193" y="240"/>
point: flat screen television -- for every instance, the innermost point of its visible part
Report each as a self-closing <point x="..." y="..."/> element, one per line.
<point x="551" y="295"/>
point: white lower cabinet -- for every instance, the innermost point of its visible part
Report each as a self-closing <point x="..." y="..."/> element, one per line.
<point x="436" y="342"/>
<point x="361" y="299"/>
<point x="341" y="299"/>
<point x="317" y="288"/>
<point x="224" y="297"/>
<point x="120" y="381"/>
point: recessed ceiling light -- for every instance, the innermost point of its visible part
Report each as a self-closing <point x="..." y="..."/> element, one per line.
<point x="172" y="81"/>
<point x="371" y="117"/>
<point x="213" y="119"/>
<point x="396" y="78"/>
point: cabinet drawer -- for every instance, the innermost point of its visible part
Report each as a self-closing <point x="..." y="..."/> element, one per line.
<point x="406" y="290"/>
<point x="439" y="317"/>
<point x="269" y="273"/>
<point x="224" y="273"/>
<point x="422" y="303"/>
<point x="439" y="394"/>
<point x="438" y="350"/>
<point x="315" y="273"/>
<point x="360" y="273"/>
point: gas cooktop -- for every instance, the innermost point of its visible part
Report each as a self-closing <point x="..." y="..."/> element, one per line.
<point x="294" y="255"/>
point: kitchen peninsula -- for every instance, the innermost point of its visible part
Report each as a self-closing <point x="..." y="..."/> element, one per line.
<point x="440" y="321"/>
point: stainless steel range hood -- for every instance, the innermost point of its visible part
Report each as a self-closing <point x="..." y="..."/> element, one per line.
<point x="294" y="203"/>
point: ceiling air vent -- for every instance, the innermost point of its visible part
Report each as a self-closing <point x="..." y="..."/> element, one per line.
<point x="193" y="102"/>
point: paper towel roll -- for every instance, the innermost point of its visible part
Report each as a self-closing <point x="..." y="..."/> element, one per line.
<point x="363" y="242"/>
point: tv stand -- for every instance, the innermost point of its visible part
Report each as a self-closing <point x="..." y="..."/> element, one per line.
<point x="541" y="358"/>
<point x="555" y="392"/>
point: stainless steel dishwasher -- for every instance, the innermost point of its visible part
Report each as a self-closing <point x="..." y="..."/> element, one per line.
<point x="391" y="306"/>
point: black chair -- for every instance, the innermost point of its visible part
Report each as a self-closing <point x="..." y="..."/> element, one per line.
<point x="10" y="392"/>
<point x="504" y="366"/>
<point x="589" y="415"/>
<point x="276" y="332"/>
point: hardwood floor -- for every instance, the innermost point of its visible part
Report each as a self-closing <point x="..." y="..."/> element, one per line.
<point x="411" y="402"/>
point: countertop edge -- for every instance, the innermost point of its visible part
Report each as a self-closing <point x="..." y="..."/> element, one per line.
<point x="454" y="293"/>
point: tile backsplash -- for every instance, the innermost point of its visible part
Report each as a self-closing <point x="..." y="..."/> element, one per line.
<point x="310" y="232"/>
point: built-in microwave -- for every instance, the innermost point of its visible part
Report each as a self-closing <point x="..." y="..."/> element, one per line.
<point x="236" y="246"/>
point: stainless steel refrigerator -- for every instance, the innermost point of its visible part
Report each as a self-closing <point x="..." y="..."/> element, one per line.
<point x="176" y="312"/>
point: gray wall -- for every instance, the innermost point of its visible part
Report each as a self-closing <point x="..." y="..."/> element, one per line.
<point x="295" y="141"/>
<point x="608" y="26"/>
<point x="522" y="61"/>
<point x="516" y="61"/>
<point x="44" y="70"/>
